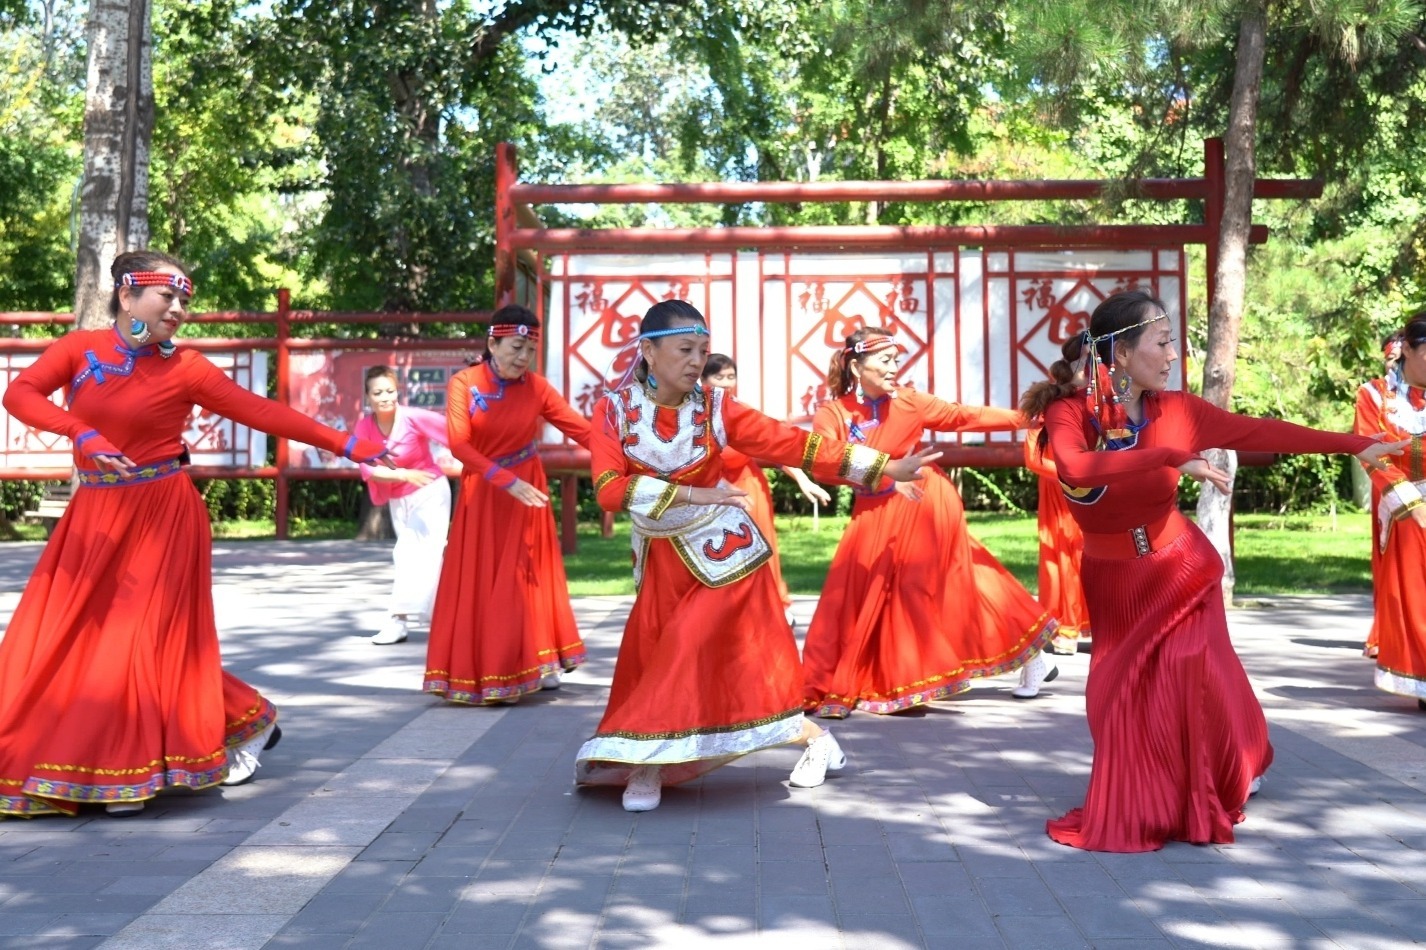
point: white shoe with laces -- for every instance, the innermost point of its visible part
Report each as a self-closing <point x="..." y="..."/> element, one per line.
<point x="1033" y="675"/>
<point x="823" y="755"/>
<point x="243" y="761"/>
<point x="393" y="632"/>
<point x="644" y="789"/>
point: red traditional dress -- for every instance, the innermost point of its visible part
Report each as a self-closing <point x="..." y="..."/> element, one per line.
<point x="1178" y="734"/>
<point x="111" y="686"/>
<point x="1061" y="547"/>
<point x="743" y="472"/>
<point x="502" y="618"/>
<point x="1399" y="562"/>
<point x="914" y="607"/>
<point x="707" y="669"/>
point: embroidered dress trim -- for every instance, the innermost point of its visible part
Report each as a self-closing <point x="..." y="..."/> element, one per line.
<point x="607" y="759"/>
<point x="515" y="458"/>
<point x="492" y="689"/>
<point x="809" y="452"/>
<point x="1396" y="503"/>
<point x="942" y="685"/>
<point x="146" y="473"/>
<point x="863" y="465"/>
<point x="97" y="368"/>
<point x="719" y="544"/>
<point x="604" y="479"/>
<point x="675" y="458"/>
<point x="1399" y="683"/>
<point x="648" y="496"/>
<point x="30" y="802"/>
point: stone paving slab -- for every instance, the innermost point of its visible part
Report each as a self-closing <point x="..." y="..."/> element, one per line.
<point x="386" y="819"/>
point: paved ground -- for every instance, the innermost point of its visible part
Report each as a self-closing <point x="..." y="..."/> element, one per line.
<point x="387" y="820"/>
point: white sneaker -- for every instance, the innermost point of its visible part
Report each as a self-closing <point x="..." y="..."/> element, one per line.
<point x="124" y="809"/>
<point x="393" y="632"/>
<point x="644" y="789"/>
<point x="1033" y="675"/>
<point x="550" y="681"/>
<point x="242" y="761"/>
<point x="823" y="755"/>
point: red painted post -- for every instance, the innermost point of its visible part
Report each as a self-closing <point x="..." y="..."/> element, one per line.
<point x="1213" y="209"/>
<point x="506" y="171"/>
<point x="569" y="513"/>
<point x="284" y="330"/>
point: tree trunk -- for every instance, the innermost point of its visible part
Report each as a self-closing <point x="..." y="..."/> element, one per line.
<point x="1230" y="281"/>
<point x="118" y="126"/>
<point x="373" y="521"/>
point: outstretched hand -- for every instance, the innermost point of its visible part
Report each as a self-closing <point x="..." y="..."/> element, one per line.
<point x="908" y="468"/>
<point x="528" y="494"/>
<point x="1373" y="454"/>
<point x="1200" y="471"/>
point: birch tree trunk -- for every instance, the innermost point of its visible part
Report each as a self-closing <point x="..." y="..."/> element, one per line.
<point x="118" y="126"/>
<point x="1230" y="281"/>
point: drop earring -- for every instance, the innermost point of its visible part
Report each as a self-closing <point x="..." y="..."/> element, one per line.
<point x="1120" y="383"/>
<point x="138" y="329"/>
<point x="653" y="383"/>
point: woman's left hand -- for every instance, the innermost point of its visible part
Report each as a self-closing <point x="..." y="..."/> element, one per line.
<point x="1373" y="454"/>
<point x="528" y="494"/>
<point x="908" y="469"/>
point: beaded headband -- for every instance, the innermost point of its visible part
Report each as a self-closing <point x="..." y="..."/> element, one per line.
<point x="516" y="329"/>
<point x="697" y="329"/>
<point x="153" y="278"/>
<point x="1113" y="333"/>
<point x="872" y="344"/>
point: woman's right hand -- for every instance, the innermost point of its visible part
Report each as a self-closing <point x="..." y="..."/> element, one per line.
<point x="528" y="494"/>
<point x="417" y="477"/>
<point x="908" y="469"/>
<point x="1373" y="454"/>
<point x="1200" y="471"/>
<point x="716" y="495"/>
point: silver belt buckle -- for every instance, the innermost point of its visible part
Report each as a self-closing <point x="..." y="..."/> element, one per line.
<point x="1141" y="540"/>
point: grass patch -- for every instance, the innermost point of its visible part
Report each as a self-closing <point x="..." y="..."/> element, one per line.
<point x="1274" y="554"/>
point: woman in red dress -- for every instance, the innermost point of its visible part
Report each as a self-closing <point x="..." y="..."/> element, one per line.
<point x="1061" y="548"/>
<point x="111" y="685"/>
<point x="502" y="625"/>
<point x="747" y="475"/>
<point x="1179" y="738"/>
<point x="914" y="607"/>
<point x="1396" y="405"/>
<point x="707" y="669"/>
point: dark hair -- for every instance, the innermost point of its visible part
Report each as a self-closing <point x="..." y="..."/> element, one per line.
<point x="380" y="372"/>
<point x="1123" y="315"/>
<point x="131" y="262"/>
<point x="840" y="380"/>
<point x="512" y="314"/>
<point x="662" y="316"/>
<point x="717" y="362"/>
<point x="1414" y="333"/>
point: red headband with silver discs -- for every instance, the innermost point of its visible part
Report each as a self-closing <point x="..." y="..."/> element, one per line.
<point x="153" y="278"/>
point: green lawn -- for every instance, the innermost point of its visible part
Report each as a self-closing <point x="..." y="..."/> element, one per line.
<point x="1295" y="554"/>
<point x="1292" y="554"/>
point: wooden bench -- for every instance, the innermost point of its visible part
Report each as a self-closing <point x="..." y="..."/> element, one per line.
<point x="52" y="506"/>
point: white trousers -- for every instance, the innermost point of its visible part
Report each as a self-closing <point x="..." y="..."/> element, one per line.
<point x="421" y="520"/>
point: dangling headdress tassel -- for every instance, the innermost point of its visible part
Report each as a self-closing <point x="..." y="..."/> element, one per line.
<point x="1101" y="398"/>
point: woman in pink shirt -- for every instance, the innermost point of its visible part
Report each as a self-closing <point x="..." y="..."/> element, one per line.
<point x="416" y="491"/>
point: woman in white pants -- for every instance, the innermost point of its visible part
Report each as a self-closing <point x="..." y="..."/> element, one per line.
<point x="416" y="491"/>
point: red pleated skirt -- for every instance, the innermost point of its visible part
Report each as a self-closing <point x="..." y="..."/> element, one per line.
<point x="111" y="687"/>
<point x="502" y="617"/>
<point x="1061" y="592"/>
<point x="1399" y="618"/>
<point x="750" y="478"/>
<point x="704" y="675"/>
<point x="1178" y="734"/>
<point x="914" y="608"/>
